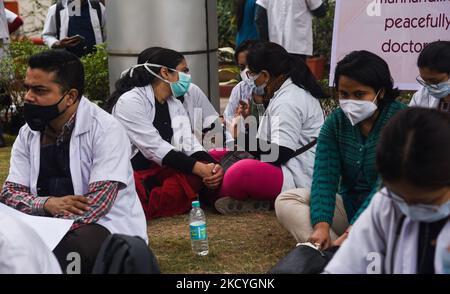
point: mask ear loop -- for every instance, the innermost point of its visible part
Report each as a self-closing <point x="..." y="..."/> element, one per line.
<point x="376" y="97"/>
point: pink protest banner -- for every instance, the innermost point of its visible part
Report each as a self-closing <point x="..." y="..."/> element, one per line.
<point x="396" y="30"/>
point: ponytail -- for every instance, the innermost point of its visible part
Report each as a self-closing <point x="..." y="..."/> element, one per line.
<point x="140" y="77"/>
<point x="302" y="76"/>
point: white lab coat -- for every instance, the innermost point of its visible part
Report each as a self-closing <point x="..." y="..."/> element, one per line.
<point x="199" y="109"/>
<point x="293" y="119"/>
<point x="241" y="92"/>
<point x="99" y="151"/>
<point x="422" y="98"/>
<point x="290" y="23"/>
<point x="22" y="251"/>
<point x="201" y="113"/>
<point x="370" y="244"/>
<point x="135" y="110"/>
<point x="49" y="33"/>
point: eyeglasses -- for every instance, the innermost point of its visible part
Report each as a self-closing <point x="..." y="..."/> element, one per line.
<point x="425" y="84"/>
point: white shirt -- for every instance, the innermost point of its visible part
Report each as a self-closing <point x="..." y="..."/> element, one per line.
<point x="49" y="33"/>
<point x="290" y="23"/>
<point x="370" y="247"/>
<point x="22" y="251"/>
<point x="99" y="151"/>
<point x="292" y="120"/>
<point x="422" y="98"/>
<point x="135" y="110"/>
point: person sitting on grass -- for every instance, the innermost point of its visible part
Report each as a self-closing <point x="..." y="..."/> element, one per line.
<point x="344" y="168"/>
<point x="434" y="67"/>
<point x="406" y="228"/>
<point x="71" y="161"/>
<point x="170" y="166"/>
<point x="284" y="146"/>
<point x="245" y="99"/>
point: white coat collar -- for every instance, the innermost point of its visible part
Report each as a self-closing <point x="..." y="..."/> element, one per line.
<point x="286" y="83"/>
<point x="84" y="117"/>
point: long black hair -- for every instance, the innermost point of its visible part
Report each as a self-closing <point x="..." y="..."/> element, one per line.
<point x="414" y="147"/>
<point x="141" y="77"/>
<point x="436" y="56"/>
<point x="277" y="61"/>
<point x="370" y="70"/>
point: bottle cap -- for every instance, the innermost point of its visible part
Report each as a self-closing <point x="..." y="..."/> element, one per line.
<point x="195" y="203"/>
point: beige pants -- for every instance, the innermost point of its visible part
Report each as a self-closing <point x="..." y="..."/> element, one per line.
<point x="293" y="212"/>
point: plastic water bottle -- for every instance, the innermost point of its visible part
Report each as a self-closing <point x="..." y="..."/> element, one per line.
<point x="197" y="225"/>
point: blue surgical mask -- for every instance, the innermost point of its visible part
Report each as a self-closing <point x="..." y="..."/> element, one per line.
<point x="422" y="212"/>
<point x="439" y="91"/>
<point x="179" y="88"/>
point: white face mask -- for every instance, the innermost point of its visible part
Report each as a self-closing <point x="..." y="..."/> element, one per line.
<point x="244" y="76"/>
<point x="357" y="110"/>
<point x="422" y="212"/>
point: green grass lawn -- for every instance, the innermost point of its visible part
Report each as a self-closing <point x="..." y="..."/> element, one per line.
<point x="244" y="244"/>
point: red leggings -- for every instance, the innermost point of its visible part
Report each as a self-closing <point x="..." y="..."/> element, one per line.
<point x="250" y="178"/>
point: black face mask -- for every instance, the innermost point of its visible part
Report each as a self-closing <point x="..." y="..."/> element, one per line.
<point x="38" y="117"/>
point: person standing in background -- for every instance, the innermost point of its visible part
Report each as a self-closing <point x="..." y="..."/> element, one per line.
<point x="245" y="11"/>
<point x="289" y="23"/>
<point x="76" y="33"/>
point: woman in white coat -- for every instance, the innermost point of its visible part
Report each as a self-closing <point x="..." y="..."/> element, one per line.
<point x="434" y="68"/>
<point x="284" y="146"/>
<point x="170" y="166"/>
<point x="406" y="228"/>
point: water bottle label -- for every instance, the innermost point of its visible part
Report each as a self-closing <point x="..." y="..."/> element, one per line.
<point x="198" y="232"/>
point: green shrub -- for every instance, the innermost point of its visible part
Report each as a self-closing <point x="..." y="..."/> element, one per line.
<point x="323" y="33"/>
<point x="13" y="68"/>
<point x="227" y="23"/>
<point x="96" y="75"/>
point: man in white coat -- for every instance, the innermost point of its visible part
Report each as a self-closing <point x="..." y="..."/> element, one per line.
<point x="77" y="25"/>
<point x="71" y="160"/>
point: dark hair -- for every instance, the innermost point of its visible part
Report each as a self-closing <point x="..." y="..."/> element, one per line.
<point x="414" y="147"/>
<point x="243" y="47"/>
<point x="239" y="9"/>
<point x="67" y="67"/>
<point x="277" y="61"/>
<point x="370" y="70"/>
<point x="141" y="77"/>
<point x="436" y="56"/>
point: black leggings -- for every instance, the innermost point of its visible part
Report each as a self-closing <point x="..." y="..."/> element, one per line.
<point x="86" y="241"/>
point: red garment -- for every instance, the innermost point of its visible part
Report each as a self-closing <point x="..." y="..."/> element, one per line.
<point x="15" y="25"/>
<point x="172" y="196"/>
